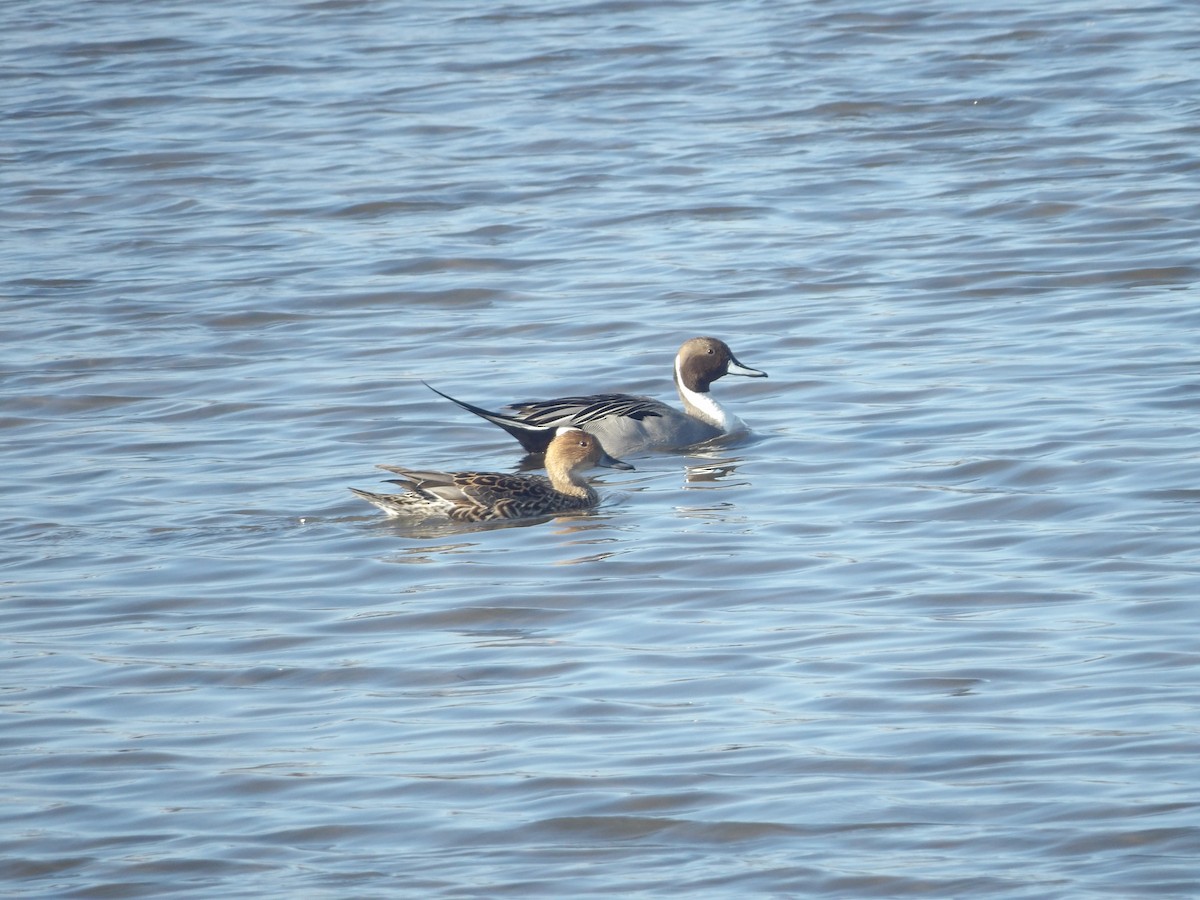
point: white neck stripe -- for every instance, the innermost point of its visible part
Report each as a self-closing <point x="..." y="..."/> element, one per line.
<point x="703" y="406"/>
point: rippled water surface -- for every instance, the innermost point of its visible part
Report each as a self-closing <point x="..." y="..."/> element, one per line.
<point x="931" y="630"/>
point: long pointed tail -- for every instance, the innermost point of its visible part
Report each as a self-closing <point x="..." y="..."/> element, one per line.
<point x="534" y="438"/>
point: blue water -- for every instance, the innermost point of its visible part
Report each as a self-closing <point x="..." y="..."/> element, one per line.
<point x="931" y="630"/>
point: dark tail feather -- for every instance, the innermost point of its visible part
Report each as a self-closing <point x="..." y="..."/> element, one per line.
<point x="534" y="438"/>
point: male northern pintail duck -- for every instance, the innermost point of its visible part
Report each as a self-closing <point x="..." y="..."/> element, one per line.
<point x="626" y="423"/>
<point x="486" y="496"/>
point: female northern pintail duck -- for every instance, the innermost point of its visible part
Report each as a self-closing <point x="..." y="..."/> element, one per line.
<point x="486" y="496"/>
<point x="626" y="423"/>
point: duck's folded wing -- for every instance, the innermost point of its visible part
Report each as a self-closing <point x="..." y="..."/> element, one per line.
<point x="585" y="409"/>
<point x="422" y="477"/>
<point x="476" y="488"/>
<point x="445" y="485"/>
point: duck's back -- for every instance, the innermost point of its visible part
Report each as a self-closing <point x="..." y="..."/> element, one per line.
<point x="624" y="423"/>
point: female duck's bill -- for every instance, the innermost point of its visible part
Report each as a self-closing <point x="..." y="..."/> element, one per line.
<point x="628" y="423"/>
<point x="488" y="496"/>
